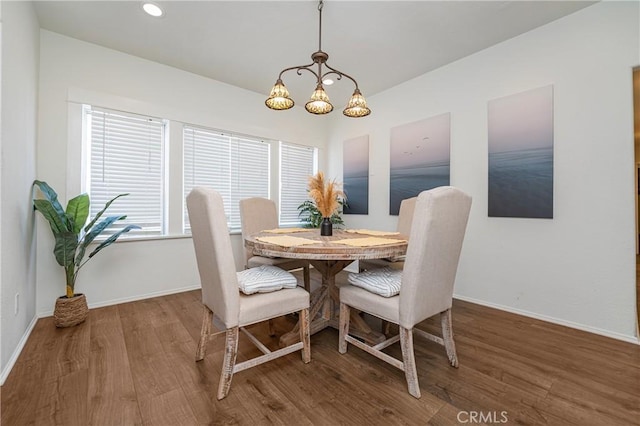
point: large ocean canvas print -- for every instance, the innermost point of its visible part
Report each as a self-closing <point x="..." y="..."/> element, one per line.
<point x="355" y="173"/>
<point x="419" y="158"/>
<point x="521" y="155"/>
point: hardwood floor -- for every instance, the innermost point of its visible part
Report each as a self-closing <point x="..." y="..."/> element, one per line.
<point x="134" y="364"/>
<point x="638" y="287"/>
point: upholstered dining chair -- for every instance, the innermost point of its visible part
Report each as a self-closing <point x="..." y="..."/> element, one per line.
<point x="224" y="303"/>
<point x="258" y="214"/>
<point x="405" y="216"/>
<point x="422" y="289"/>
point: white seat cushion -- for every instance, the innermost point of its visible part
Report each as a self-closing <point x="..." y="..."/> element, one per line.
<point x="264" y="279"/>
<point x="383" y="281"/>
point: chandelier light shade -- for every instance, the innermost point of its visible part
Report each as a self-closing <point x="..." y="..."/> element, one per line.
<point x="319" y="103"/>
<point x="357" y="106"/>
<point x="279" y="97"/>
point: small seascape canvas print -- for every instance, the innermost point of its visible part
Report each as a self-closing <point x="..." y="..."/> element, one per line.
<point x="419" y="158"/>
<point x="521" y="155"/>
<point x="355" y="174"/>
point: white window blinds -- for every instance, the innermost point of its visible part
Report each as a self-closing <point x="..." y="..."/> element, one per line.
<point x="235" y="166"/>
<point x="126" y="155"/>
<point x="297" y="163"/>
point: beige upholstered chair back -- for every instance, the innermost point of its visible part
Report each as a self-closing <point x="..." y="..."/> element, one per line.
<point x="257" y="214"/>
<point x="214" y="254"/>
<point x="405" y="216"/>
<point x="437" y="231"/>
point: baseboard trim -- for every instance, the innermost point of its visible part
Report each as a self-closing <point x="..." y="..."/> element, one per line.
<point x="131" y="298"/>
<point x="16" y="353"/>
<point x="553" y="320"/>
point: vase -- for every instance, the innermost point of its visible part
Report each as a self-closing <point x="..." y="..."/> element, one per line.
<point x="70" y="311"/>
<point x="326" y="227"/>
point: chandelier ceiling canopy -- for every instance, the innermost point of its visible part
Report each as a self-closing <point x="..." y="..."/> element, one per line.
<point x="319" y="103"/>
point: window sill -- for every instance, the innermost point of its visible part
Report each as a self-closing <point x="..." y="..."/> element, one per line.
<point x="158" y="237"/>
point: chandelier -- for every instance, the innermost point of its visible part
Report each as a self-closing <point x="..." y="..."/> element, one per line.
<point x="319" y="103"/>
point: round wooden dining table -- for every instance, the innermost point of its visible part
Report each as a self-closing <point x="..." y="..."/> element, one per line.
<point x="329" y="257"/>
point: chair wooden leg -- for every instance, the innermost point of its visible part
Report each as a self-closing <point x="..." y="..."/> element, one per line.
<point x="409" y="361"/>
<point x="230" y="353"/>
<point x="305" y="336"/>
<point x="307" y="278"/>
<point x="447" y="337"/>
<point x="272" y="329"/>
<point x="205" y="331"/>
<point x="345" y="313"/>
<point x="386" y="328"/>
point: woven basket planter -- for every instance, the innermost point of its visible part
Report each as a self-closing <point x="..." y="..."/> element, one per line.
<point x="70" y="311"/>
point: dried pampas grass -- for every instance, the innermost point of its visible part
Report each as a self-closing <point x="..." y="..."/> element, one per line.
<point x="325" y="194"/>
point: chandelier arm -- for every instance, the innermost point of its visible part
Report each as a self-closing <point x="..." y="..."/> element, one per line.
<point x="340" y="74"/>
<point x="298" y="69"/>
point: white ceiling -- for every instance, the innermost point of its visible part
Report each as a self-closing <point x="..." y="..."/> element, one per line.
<point x="247" y="43"/>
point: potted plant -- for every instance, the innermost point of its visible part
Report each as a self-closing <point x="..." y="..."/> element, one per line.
<point x="312" y="218"/>
<point x="323" y="210"/>
<point x="72" y="238"/>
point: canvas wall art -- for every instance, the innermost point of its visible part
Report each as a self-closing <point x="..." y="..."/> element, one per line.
<point x="521" y="155"/>
<point x="355" y="173"/>
<point x="419" y="158"/>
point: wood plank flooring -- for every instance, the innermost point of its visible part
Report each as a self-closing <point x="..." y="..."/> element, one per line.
<point x="638" y="287"/>
<point x="133" y="364"/>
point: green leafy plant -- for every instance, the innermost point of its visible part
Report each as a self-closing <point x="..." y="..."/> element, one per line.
<point x="71" y="235"/>
<point x="312" y="218"/>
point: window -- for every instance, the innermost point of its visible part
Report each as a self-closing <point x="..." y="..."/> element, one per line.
<point x="297" y="163"/>
<point x="125" y="154"/>
<point x="236" y="166"/>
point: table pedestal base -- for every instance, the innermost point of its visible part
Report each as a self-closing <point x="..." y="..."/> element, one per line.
<point x="325" y="302"/>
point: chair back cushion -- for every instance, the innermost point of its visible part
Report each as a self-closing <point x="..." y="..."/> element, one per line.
<point x="405" y="216"/>
<point x="264" y="279"/>
<point x="214" y="254"/>
<point x="257" y="214"/>
<point x="437" y="231"/>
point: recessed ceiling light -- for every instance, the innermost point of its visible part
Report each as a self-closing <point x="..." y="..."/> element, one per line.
<point x="327" y="81"/>
<point x="152" y="9"/>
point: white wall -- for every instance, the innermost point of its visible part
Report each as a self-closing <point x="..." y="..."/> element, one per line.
<point x="19" y="90"/>
<point x="73" y="72"/>
<point x="579" y="268"/>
